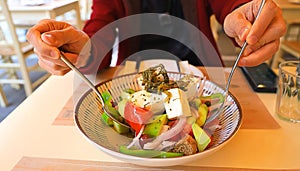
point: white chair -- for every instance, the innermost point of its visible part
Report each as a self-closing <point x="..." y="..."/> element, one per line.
<point x="20" y="51"/>
<point x="3" y="99"/>
<point x="85" y="8"/>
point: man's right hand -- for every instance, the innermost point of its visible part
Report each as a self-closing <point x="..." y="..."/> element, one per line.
<point x="49" y="37"/>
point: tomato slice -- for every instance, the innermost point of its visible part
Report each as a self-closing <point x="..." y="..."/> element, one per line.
<point x="136" y="116"/>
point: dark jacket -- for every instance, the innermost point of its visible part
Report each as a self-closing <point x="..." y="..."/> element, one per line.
<point x="197" y="12"/>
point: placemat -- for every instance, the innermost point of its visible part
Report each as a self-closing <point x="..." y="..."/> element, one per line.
<point x="255" y="114"/>
<point x="49" y="164"/>
<point x="65" y="116"/>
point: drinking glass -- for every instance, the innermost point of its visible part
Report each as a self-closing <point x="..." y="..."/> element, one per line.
<point x="288" y="92"/>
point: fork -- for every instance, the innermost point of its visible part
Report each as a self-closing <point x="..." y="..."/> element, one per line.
<point x="226" y="92"/>
<point x="95" y="90"/>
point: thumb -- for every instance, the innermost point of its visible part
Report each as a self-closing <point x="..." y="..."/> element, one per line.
<point x="53" y="38"/>
<point x="69" y="39"/>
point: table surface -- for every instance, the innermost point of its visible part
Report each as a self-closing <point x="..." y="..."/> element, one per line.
<point x="31" y="14"/>
<point x="29" y="132"/>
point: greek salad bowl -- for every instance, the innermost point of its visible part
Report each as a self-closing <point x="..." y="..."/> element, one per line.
<point x="169" y="128"/>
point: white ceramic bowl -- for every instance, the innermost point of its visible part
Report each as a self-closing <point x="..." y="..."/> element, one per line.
<point x="89" y="123"/>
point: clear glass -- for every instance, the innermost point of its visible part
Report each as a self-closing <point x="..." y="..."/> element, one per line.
<point x="288" y="92"/>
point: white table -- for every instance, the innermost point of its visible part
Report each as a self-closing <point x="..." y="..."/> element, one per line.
<point x="28" y="131"/>
<point x="51" y="9"/>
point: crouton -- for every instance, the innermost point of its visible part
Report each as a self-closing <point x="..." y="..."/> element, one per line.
<point x="186" y="145"/>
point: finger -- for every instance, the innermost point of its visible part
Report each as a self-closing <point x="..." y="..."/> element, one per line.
<point x="50" y="59"/>
<point x="60" y="37"/>
<point x="68" y="39"/>
<point x="71" y="57"/>
<point x="52" y="68"/>
<point x="236" y="25"/>
<point x="274" y="32"/>
<point x="239" y="41"/>
<point x="46" y="25"/>
<point x="262" y="22"/>
<point x="262" y="42"/>
<point x="34" y="36"/>
<point x="260" y="55"/>
<point x="40" y="46"/>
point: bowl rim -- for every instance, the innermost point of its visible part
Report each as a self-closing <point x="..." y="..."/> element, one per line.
<point x="135" y="159"/>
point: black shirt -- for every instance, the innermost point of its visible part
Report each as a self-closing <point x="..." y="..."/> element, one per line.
<point x="165" y="43"/>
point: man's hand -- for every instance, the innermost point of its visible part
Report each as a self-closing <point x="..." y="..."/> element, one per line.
<point x="262" y="36"/>
<point x="49" y="37"/>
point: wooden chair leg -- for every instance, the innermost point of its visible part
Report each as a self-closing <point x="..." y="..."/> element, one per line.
<point x="3" y="99"/>
<point x="25" y="75"/>
<point x="12" y="74"/>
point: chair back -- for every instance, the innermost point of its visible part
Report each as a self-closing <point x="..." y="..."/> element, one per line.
<point x="10" y="39"/>
<point x="10" y="47"/>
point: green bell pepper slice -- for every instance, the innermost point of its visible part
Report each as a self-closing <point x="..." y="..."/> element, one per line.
<point x="148" y="153"/>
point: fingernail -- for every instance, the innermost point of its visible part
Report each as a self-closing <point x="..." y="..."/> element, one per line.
<point x="244" y="33"/>
<point x="242" y="62"/>
<point x="252" y="40"/>
<point x="247" y="51"/>
<point x="54" y="54"/>
<point x="48" y="37"/>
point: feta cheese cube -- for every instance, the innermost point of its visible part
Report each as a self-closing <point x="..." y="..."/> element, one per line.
<point x="176" y="103"/>
<point x="150" y="101"/>
<point x="190" y="86"/>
